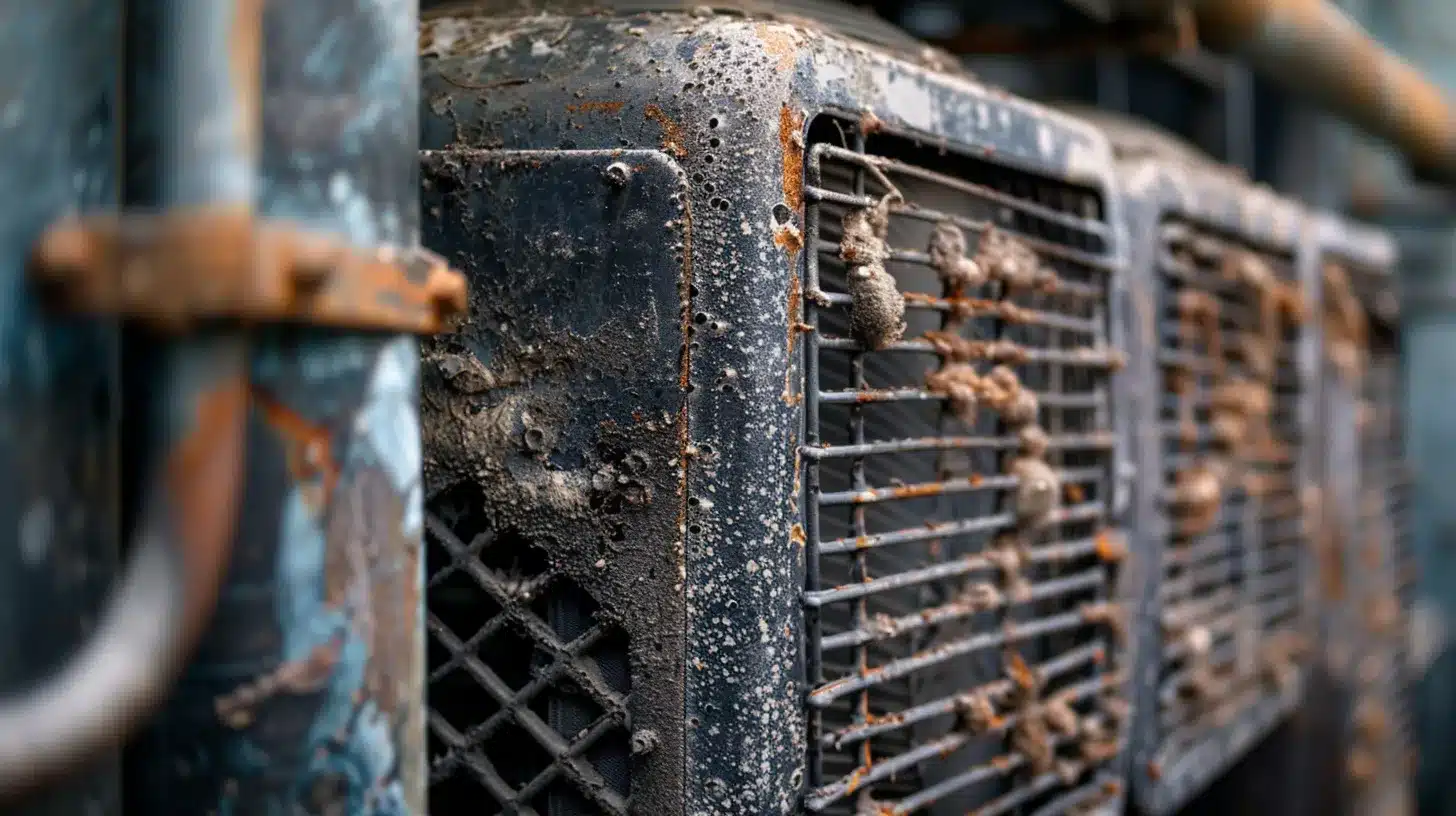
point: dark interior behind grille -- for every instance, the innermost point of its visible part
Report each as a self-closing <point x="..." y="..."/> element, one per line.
<point x="1231" y="593"/>
<point x="915" y="704"/>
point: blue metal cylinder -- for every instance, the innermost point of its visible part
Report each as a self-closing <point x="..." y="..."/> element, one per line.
<point x="307" y="695"/>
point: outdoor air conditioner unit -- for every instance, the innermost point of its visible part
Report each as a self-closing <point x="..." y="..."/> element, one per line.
<point x="1223" y="341"/>
<point x="777" y="468"/>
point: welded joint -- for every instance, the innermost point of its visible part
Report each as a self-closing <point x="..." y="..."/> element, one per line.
<point x="173" y="270"/>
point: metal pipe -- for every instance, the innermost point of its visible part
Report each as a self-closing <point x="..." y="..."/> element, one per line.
<point x="1315" y="49"/>
<point x="307" y="693"/>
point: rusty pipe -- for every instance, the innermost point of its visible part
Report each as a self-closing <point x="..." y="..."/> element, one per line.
<point x="1314" y="49"/>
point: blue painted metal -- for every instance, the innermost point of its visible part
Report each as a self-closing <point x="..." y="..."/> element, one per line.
<point x="58" y="441"/>
<point x="306" y="694"/>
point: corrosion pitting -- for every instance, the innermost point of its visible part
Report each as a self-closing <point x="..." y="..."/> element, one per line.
<point x="673" y="140"/>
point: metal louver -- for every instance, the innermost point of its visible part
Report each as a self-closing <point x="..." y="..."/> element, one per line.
<point x="961" y="607"/>
<point x="1221" y="300"/>
<point x="1361" y="339"/>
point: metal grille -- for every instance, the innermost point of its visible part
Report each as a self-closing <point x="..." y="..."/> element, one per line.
<point x="1231" y="591"/>
<point x="1383" y="730"/>
<point x="960" y="563"/>
<point x="528" y="685"/>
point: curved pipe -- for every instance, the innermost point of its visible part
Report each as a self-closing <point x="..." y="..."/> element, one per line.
<point x="1314" y="49"/>
<point x="181" y="550"/>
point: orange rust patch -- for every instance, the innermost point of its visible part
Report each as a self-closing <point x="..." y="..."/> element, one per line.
<point x="791" y="140"/>
<point x="796" y="535"/>
<point x="788" y="238"/>
<point x="795" y="301"/>
<point x="672" y="135"/>
<point x="309" y="446"/>
<point x="919" y="491"/>
<point x="1110" y="547"/>
<point x="1075" y="493"/>
<point x="778" y="41"/>
<point x="596" y="107"/>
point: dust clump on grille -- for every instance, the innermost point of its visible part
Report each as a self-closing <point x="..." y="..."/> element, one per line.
<point x="877" y="317"/>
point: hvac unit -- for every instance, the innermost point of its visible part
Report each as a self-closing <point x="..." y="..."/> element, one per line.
<point x="1223" y="342"/>
<point x="776" y="469"/>
<point x="1366" y="563"/>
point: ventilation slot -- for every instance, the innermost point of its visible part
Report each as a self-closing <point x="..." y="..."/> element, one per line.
<point x="960" y="567"/>
<point x="1231" y="593"/>
<point x="528" y="686"/>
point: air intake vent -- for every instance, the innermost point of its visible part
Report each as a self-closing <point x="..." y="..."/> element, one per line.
<point x="1231" y="436"/>
<point x="961" y="608"/>
<point x="529" y="688"/>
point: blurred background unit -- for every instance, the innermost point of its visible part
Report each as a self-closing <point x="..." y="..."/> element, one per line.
<point x="1223" y="438"/>
<point x="1370" y="574"/>
<point x="777" y="468"/>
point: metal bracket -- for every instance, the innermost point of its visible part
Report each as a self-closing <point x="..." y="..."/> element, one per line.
<point x="174" y="270"/>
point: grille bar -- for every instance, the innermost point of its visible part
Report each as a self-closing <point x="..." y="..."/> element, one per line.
<point x="930" y="571"/>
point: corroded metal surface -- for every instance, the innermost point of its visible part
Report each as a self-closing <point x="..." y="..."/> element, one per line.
<point x="1187" y="217"/>
<point x="177" y="270"/>
<point x="730" y="100"/>
<point x="555" y="432"/>
<point x="307" y="691"/>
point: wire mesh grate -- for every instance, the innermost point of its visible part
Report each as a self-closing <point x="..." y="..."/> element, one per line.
<point x="962" y="635"/>
<point x="528" y="685"/>
<point x="1231" y="594"/>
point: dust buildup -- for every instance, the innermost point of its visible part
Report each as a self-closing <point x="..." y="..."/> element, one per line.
<point x="1006" y="258"/>
<point x="1038" y="490"/>
<point x="1033" y="441"/>
<point x="948" y="257"/>
<point x="877" y="309"/>
<point x="999" y="390"/>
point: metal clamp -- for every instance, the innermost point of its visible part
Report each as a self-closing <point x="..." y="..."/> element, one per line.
<point x="174" y="270"/>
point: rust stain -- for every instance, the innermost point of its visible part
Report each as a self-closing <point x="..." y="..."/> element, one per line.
<point x="204" y="478"/>
<point x="793" y="307"/>
<point x="308" y="447"/>
<point x="596" y="107"/>
<point x="778" y="41"/>
<point x="245" y="63"/>
<point x="1110" y="546"/>
<point x="791" y="141"/>
<point x="796" y="535"/>
<point x="672" y="134"/>
<point x="918" y="491"/>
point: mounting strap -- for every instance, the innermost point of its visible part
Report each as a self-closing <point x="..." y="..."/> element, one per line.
<point x="174" y="269"/>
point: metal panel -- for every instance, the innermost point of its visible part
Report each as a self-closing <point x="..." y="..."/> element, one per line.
<point x="733" y="101"/>
<point x="1224" y="637"/>
<point x="553" y="422"/>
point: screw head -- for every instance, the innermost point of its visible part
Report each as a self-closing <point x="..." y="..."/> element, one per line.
<point x="618" y="174"/>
